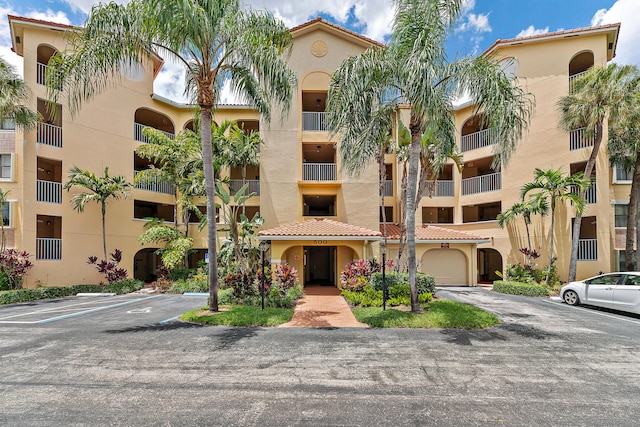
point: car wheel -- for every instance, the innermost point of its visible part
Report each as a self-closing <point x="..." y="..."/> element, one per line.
<point x="571" y="298"/>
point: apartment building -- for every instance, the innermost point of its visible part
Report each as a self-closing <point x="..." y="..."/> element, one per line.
<point x="316" y="217"/>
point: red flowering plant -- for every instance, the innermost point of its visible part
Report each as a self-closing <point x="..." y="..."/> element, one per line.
<point x="286" y="276"/>
<point x="110" y="269"/>
<point x="356" y="275"/>
<point x="13" y="268"/>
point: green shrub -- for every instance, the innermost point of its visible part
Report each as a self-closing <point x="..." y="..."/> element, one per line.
<point x="225" y="296"/>
<point x="25" y="295"/>
<point x="124" y="286"/>
<point x="516" y="288"/>
<point x="275" y="297"/>
<point x="182" y="273"/>
<point x="426" y="283"/>
<point x="190" y="285"/>
<point x="369" y="297"/>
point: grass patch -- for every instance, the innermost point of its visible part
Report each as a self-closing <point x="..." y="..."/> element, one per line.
<point x="238" y="315"/>
<point x="443" y="314"/>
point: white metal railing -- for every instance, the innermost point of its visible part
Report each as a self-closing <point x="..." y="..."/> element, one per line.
<point x="48" y="249"/>
<point x="138" y="136"/>
<point x="443" y="188"/>
<point x="587" y="250"/>
<point x="312" y="120"/>
<point x="572" y="80"/>
<point x="388" y="188"/>
<point x="49" y="134"/>
<point x="482" y="183"/>
<point x="590" y="195"/>
<point x="48" y="191"/>
<point x="478" y="139"/>
<point x="41" y="72"/>
<point x="318" y="171"/>
<point x="157" y="186"/>
<point x="236" y="184"/>
<point x="577" y="141"/>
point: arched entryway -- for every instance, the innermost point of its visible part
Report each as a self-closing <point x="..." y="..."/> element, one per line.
<point x="489" y="261"/>
<point x="145" y="264"/>
<point x="448" y="267"/>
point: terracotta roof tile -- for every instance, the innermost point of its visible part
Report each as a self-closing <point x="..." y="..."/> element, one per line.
<point x="337" y="27"/>
<point x="428" y="232"/>
<point x="320" y="227"/>
<point x="40" y="21"/>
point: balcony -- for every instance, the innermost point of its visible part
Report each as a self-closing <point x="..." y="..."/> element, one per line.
<point x="577" y="141"/>
<point x="319" y="172"/>
<point x="587" y="250"/>
<point x="572" y="80"/>
<point x="156" y="186"/>
<point x="48" y="249"/>
<point x="138" y="136"/>
<point x="236" y="184"/>
<point x="49" y="134"/>
<point x="314" y="121"/>
<point x="48" y="191"/>
<point x="479" y="139"/>
<point x="443" y="188"/>
<point x="482" y="184"/>
<point x="41" y="72"/>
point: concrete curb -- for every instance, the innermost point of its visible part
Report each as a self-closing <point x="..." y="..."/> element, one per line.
<point x="95" y="294"/>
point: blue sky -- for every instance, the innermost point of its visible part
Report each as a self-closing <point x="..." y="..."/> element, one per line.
<point x="481" y="23"/>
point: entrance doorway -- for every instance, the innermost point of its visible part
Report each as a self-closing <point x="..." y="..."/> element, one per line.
<point x="320" y="265"/>
<point x="489" y="261"/>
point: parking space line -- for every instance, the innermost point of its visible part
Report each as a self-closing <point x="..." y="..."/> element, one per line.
<point x="48" y="310"/>
<point x="66" y="316"/>
<point x="584" y="309"/>
<point x="170" y="320"/>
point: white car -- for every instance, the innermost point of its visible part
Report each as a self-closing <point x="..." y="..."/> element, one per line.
<point x="619" y="291"/>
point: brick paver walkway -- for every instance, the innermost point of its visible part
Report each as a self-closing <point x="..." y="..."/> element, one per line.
<point x="323" y="307"/>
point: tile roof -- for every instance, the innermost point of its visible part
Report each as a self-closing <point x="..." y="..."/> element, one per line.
<point x="337" y="27"/>
<point x="320" y="227"/>
<point x="428" y="232"/>
<point x="40" y="22"/>
<point x="551" y="34"/>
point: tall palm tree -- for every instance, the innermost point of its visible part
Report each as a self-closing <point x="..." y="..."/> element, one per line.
<point x="413" y="69"/>
<point x="624" y="152"/>
<point x="553" y="186"/>
<point x="215" y="40"/>
<point x="13" y="96"/>
<point x="601" y="93"/>
<point x="533" y="206"/>
<point x="100" y="190"/>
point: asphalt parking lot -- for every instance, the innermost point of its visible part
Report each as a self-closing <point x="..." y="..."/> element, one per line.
<point x="134" y="364"/>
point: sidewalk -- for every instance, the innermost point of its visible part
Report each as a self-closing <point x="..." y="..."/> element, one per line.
<point x="323" y="307"/>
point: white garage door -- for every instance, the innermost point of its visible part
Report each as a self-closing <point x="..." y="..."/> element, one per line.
<point x="448" y="266"/>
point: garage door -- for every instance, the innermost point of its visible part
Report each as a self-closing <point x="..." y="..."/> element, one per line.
<point x="448" y="266"/>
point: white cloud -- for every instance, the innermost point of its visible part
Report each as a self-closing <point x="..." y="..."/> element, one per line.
<point x="628" y="13"/>
<point x="85" y="6"/>
<point x="169" y="83"/>
<point x="532" y="31"/>
<point x="477" y="23"/>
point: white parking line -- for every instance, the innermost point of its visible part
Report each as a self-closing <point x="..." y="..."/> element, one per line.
<point x="637" y="322"/>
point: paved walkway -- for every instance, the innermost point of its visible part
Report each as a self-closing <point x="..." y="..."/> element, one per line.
<point x="323" y="307"/>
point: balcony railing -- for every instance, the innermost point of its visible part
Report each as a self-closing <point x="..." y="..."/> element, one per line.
<point x="572" y="80"/>
<point x="587" y="250"/>
<point x="138" y="136"/>
<point x="478" y="139"/>
<point x="443" y="188"/>
<point x="318" y="171"/>
<point x="576" y="140"/>
<point x="48" y="191"/>
<point x="388" y="188"/>
<point x="482" y="184"/>
<point x="157" y="186"/>
<point x="254" y="186"/>
<point x="312" y="120"/>
<point x="41" y="72"/>
<point x="49" y="135"/>
<point x="48" y="249"/>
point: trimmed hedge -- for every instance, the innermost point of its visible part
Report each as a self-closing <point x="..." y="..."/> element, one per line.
<point x="517" y="288"/>
<point x="426" y="283"/>
<point x="25" y="295"/>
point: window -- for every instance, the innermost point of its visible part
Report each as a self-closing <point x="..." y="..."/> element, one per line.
<point x="7" y="125"/>
<point x="620" y="212"/>
<point x="6" y="214"/>
<point x="608" y="279"/>
<point x="6" y="167"/>
<point x="622" y="175"/>
<point x="632" y="280"/>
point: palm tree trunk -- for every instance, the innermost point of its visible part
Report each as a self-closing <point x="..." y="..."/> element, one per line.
<point x="526" y="226"/>
<point x="104" y="229"/>
<point x="632" y="209"/>
<point x="414" y="159"/>
<point x="207" y="163"/>
<point x="403" y="216"/>
<point x="588" y="169"/>
<point x="551" y="232"/>
<point x="383" y="178"/>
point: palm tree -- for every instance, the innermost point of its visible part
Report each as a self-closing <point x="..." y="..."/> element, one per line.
<point x="552" y="186"/>
<point x="100" y="190"/>
<point x="413" y="69"/>
<point x="215" y="40"/>
<point x="4" y="199"/>
<point x="601" y="93"/>
<point x="533" y="206"/>
<point x="624" y="152"/>
<point x="13" y="95"/>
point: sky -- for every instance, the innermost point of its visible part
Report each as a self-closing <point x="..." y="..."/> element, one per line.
<point x="480" y="24"/>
